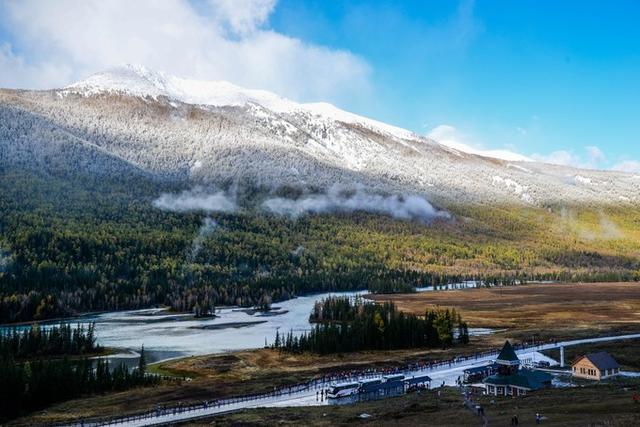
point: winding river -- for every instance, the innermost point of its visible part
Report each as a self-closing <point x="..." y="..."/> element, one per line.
<point x="167" y="335"/>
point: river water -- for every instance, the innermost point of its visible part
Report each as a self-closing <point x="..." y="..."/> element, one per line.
<point x="167" y="335"/>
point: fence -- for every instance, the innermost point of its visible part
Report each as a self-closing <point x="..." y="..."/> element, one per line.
<point x="314" y="384"/>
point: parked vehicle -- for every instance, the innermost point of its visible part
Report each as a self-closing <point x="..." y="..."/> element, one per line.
<point x="343" y="390"/>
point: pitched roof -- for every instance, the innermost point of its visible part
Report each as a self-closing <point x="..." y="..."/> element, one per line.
<point x="507" y="353"/>
<point x="524" y="378"/>
<point x="601" y="360"/>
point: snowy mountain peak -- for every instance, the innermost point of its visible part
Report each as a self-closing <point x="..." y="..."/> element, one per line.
<point x="267" y="140"/>
<point x="135" y="80"/>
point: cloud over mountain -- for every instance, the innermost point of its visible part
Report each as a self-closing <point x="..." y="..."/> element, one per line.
<point x="61" y="41"/>
<point x="196" y="200"/>
<point x="337" y="200"/>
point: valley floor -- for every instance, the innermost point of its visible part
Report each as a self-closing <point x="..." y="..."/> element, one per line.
<point x="608" y="405"/>
<point x="541" y="310"/>
<point x="566" y="311"/>
<point x="260" y="379"/>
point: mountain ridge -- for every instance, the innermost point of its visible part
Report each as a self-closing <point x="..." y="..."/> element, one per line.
<point x="207" y="133"/>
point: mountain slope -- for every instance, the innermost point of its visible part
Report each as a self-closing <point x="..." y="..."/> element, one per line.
<point x="137" y="121"/>
<point x="86" y="171"/>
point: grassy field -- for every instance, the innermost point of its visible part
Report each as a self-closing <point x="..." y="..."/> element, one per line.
<point x="558" y="310"/>
<point x="593" y="405"/>
<point x="413" y="409"/>
<point x="608" y="405"/>
<point x="214" y="376"/>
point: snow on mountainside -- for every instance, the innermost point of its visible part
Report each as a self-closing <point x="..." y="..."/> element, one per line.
<point x="132" y="120"/>
<point x="139" y="81"/>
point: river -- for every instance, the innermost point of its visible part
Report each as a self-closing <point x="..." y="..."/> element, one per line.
<point x="166" y="335"/>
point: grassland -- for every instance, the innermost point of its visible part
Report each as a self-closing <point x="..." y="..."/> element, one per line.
<point x="553" y="310"/>
<point x="608" y="405"/>
<point x="413" y="409"/>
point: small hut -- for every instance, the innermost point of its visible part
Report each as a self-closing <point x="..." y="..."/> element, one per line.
<point x="595" y="366"/>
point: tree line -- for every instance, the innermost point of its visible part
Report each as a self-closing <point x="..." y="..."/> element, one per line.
<point x="346" y="325"/>
<point x="31" y="385"/>
<point x="71" y="245"/>
<point x="36" y="341"/>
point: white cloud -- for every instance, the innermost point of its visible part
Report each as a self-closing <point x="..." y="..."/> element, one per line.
<point x="16" y="72"/>
<point x="559" y="157"/>
<point x="335" y="200"/>
<point x="595" y="154"/>
<point x="197" y="199"/>
<point x="242" y="16"/>
<point x="451" y="137"/>
<point x="592" y="158"/>
<point x="631" y="166"/>
<point x="66" y="40"/>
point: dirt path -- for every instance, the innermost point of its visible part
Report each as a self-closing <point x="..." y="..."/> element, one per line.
<point x="474" y="407"/>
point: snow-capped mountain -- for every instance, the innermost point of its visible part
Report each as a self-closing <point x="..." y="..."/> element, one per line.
<point x="138" y="81"/>
<point x="133" y="120"/>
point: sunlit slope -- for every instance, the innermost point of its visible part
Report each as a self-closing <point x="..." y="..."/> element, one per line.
<point x="136" y="121"/>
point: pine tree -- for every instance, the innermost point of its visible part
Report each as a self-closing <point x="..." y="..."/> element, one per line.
<point x="142" y="362"/>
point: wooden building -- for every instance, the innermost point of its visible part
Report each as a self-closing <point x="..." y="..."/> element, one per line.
<point x="511" y="379"/>
<point x="595" y="366"/>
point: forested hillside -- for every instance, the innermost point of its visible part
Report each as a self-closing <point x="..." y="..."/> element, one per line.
<point x="71" y="243"/>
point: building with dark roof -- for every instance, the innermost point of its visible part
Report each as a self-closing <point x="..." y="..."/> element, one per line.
<point x="595" y="366"/>
<point x="380" y="389"/>
<point x="511" y="379"/>
<point x="508" y="356"/>
<point x="478" y="373"/>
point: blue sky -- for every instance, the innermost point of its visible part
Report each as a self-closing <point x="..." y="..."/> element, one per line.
<point x="532" y="75"/>
<point x="557" y="81"/>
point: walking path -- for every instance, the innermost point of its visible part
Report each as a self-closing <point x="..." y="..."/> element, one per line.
<point x="475" y="408"/>
<point x="441" y="373"/>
